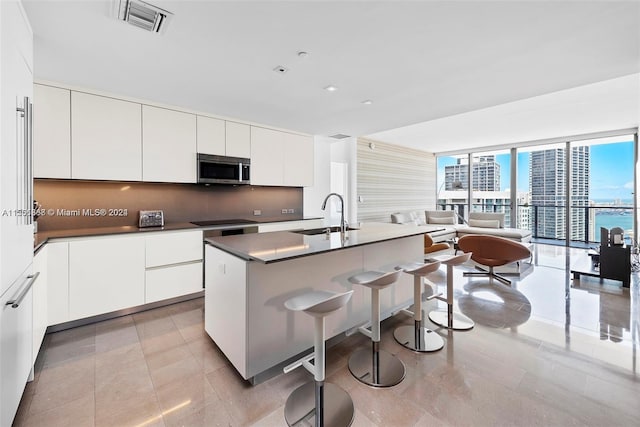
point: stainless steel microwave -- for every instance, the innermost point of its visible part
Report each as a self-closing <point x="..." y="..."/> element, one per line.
<point x="223" y="170"/>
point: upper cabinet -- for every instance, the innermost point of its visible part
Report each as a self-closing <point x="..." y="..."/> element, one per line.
<point x="281" y="158"/>
<point x="267" y="160"/>
<point x="105" y="135"/>
<point x="238" y="139"/>
<point x="80" y="135"/>
<point x="168" y="145"/>
<point x="223" y="138"/>
<point x="210" y="136"/>
<point x="51" y="132"/>
<point x="298" y="160"/>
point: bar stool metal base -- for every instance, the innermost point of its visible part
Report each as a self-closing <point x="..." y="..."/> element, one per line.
<point x="459" y="322"/>
<point x="418" y="338"/>
<point x="375" y="367"/>
<point x="300" y="409"/>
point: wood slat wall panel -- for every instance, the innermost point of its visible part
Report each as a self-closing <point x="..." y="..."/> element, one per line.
<point x="392" y="179"/>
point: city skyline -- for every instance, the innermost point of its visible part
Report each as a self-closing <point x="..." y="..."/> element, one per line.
<point x="611" y="171"/>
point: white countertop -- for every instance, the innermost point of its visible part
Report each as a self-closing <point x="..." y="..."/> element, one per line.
<point x="283" y="245"/>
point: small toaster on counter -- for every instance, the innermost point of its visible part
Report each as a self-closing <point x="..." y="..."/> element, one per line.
<point x="151" y="219"/>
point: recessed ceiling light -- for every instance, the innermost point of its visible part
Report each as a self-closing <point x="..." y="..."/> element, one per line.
<point x="331" y="88"/>
<point x="280" y="69"/>
<point x="367" y="102"/>
<point x="303" y="54"/>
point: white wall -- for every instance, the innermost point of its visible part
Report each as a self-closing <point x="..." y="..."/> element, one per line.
<point x="345" y="151"/>
<point x="326" y="151"/>
<point x="313" y="196"/>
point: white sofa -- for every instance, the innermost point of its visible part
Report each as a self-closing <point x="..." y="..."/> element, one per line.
<point x="446" y="224"/>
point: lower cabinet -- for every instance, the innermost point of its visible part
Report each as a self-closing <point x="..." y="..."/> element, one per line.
<point x="15" y="345"/>
<point x="86" y="277"/>
<point x="173" y="264"/>
<point x="57" y="262"/>
<point x="173" y="281"/>
<point x="225" y="299"/>
<point x="105" y="274"/>
<point x="40" y="303"/>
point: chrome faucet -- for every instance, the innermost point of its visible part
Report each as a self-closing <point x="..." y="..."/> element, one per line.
<point x="343" y="226"/>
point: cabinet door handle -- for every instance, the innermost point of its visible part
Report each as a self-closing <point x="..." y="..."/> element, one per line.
<point x="25" y="185"/>
<point x="29" y="155"/>
<point x="15" y="303"/>
<point x="21" y="165"/>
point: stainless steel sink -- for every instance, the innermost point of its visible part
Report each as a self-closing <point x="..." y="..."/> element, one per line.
<point x="314" y="231"/>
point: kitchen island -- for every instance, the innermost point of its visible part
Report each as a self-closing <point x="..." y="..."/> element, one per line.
<point x="249" y="277"/>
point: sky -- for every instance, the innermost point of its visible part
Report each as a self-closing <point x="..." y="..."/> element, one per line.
<point x="611" y="170"/>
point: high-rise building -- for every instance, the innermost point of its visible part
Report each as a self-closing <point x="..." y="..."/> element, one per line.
<point x="547" y="169"/>
<point x="490" y="201"/>
<point x="486" y="174"/>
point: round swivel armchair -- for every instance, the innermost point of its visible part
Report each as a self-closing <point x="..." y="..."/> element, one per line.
<point x="492" y="251"/>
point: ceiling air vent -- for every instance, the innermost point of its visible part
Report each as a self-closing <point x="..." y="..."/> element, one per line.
<point x="143" y="15"/>
<point x="339" y="136"/>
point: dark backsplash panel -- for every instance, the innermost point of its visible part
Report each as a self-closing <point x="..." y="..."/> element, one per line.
<point x="68" y="200"/>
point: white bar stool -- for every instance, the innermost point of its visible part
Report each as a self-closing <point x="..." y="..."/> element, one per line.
<point x="417" y="337"/>
<point x="317" y="403"/>
<point x="448" y="318"/>
<point x="375" y="367"/>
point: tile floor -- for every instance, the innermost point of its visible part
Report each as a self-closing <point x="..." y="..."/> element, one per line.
<point x="548" y="351"/>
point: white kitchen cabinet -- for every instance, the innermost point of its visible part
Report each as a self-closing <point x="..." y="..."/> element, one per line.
<point x="105" y="138"/>
<point x="40" y="303"/>
<point x="168" y="145"/>
<point x="210" y="136"/>
<point x="16" y="83"/>
<point x="105" y="274"/>
<point x="51" y="132"/>
<point x="281" y="158"/>
<point x="223" y="138"/>
<point x="16" y="341"/>
<point x="173" y="281"/>
<point x="238" y="139"/>
<point x="173" y="264"/>
<point x="95" y="275"/>
<point x="267" y="161"/>
<point x="225" y="298"/>
<point x="16" y="229"/>
<point x="173" y="247"/>
<point x="57" y="282"/>
<point x="298" y="160"/>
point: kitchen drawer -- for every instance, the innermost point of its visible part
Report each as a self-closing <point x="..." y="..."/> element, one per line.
<point x="166" y="248"/>
<point x="169" y="282"/>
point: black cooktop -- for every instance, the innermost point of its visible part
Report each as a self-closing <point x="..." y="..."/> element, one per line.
<point x="223" y="222"/>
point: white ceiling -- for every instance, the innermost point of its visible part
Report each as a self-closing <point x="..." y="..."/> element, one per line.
<point x="418" y="61"/>
<point x="609" y="105"/>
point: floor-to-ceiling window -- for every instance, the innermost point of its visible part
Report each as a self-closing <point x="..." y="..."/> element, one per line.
<point x="546" y="169"/>
<point x="566" y="190"/>
<point x="490" y="183"/>
<point x="601" y="187"/>
<point x="452" y="181"/>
